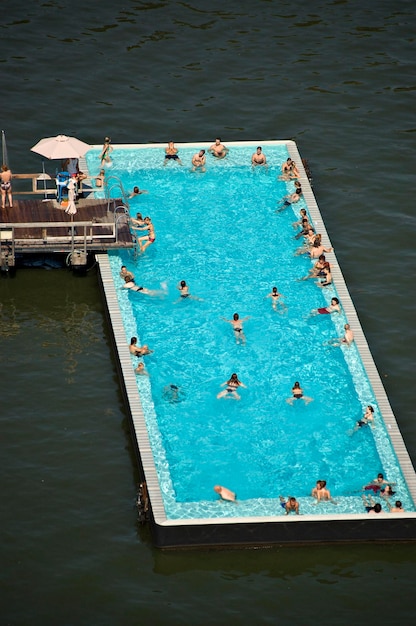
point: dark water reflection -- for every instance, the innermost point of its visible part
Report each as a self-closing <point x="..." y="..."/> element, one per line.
<point x="339" y="78"/>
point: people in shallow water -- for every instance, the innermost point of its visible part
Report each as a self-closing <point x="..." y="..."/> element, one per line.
<point x="171" y="154"/>
<point x="367" y="419"/>
<point x="225" y="494"/>
<point x="125" y="273"/>
<point x="258" y="157"/>
<point x="198" y="161"/>
<point x="237" y="325"/>
<point x="276" y="299"/>
<point x="346" y="340"/>
<point x="217" y="149"/>
<point x="130" y="284"/>
<point x="321" y="493"/>
<point x="377" y="484"/>
<point x="140" y="370"/>
<point x="184" y="291"/>
<point x="297" y="394"/>
<point x="397" y="508"/>
<point x="291" y="505"/>
<point x="231" y="385"/>
<point x="137" y="192"/>
<point x="334" y="307"/>
<point x="136" y="350"/>
<point x="371" y="506"/>
<point x="173" y="394"/>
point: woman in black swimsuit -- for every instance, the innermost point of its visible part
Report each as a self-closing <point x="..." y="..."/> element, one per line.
<point x="231" y="388"/>
<point x="297" y="394"/>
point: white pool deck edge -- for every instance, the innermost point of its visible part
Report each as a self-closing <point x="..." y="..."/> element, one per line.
<point x="136" y="410"/>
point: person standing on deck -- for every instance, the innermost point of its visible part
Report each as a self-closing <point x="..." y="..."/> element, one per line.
<point x="106" y="151"/>
<point x="6" y="186"/>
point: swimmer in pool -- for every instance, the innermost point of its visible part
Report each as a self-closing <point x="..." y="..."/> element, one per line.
<point x="346" y="340"/>
<point x="137" y="222"/>
<point x="198" y="161"/>
<point x="140" y="370"/>
<point x="147" y="240"/>
<point x="231" y="388"/>
<point x="184" y="290"/>
<point x="258" y="158"/>
<point x="136" y="350"/>
<point x="326" y="281"/>
<point x="371" y="506"/>
<point x="130" y="284"/>
<point x="321" y="493"/>
<point x="334" y="307"/>
<point x="171" y="154"/>
<point x="297" y="394"/>
<point x="377" y="483"/>
<point x="275" y="297"/>
<point x="125" y="273"/>
<point x="303" y="214"/>
<point x="366" y="420"/>
<point x="173" y="394"/>
<point x="218" y="150"/>
<point x="137" y="192"/>
<point x="397" y="508"/>
<point x="225" y="494"/>
<point x="237" y="325"/>
<point x="291" y="505"/>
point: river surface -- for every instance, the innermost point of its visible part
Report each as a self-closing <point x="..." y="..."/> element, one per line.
<point x="338" y="78"/>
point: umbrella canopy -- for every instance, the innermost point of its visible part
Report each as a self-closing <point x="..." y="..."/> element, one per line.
<point x="61" y="147"/>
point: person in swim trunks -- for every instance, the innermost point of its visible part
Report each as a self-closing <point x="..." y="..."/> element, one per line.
<point x="237" y="325"/>
<point x="6" y="186"/>
<point x="198" y="161"/>
<point x="135" y="350"/>
<point x="367" y="419"/>
<point x="258" y="158"/>
<point x="171" y="154"/>
<point x="218" y="150"/>
<point x="231" y="388"/>
<point x="377" y="484"/>
<point x="291" y="505"/>
<point x="297" y="394"/>
<point x="334" y="307"/>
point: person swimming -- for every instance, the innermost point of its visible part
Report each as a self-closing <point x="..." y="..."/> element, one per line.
<point x="231" y="385"/>
<point x="237" y="324"/>
<point x="297" y="394"/>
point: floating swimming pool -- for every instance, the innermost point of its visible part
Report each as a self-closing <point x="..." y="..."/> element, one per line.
<point x="220" y="232"/>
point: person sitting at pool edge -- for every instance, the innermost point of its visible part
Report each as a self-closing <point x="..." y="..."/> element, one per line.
<point x="135" y="350"/>
<point x="225" y="494"/>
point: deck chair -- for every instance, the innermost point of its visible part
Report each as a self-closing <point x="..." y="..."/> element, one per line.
<point x="62" y="179"/>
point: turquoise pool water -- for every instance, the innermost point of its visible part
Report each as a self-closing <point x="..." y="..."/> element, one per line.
<point x="219" y="232"/>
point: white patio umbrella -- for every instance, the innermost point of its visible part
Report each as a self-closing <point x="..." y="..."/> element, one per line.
<point x="61" y="147"/>
<point x="71" y="209"/>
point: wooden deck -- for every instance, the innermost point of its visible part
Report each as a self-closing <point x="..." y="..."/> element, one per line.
<point x="38" y="226"/>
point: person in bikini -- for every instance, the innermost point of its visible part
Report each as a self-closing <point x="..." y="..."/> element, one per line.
<point x="231" y="388"/>
<point x="218" y="150"/>
<point x="275" y="295"/>
<point x="130" y="284"/>
<point x="184" y="291"/>
<point x="297" y="394"/>
<point x="171" y="154"/>
<point x="258" y="158"/>
<point x="150" y="237"/>
<point x="6" y="186"/>
<point x="237" y="325"/>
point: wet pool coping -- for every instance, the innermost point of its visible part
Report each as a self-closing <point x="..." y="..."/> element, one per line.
<point x="267" y="530"/>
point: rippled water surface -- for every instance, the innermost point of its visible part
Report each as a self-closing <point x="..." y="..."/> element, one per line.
<point x="338" y="78"/>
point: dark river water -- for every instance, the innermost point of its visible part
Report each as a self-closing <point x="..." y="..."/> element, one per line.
<point x="339" y="78"/>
